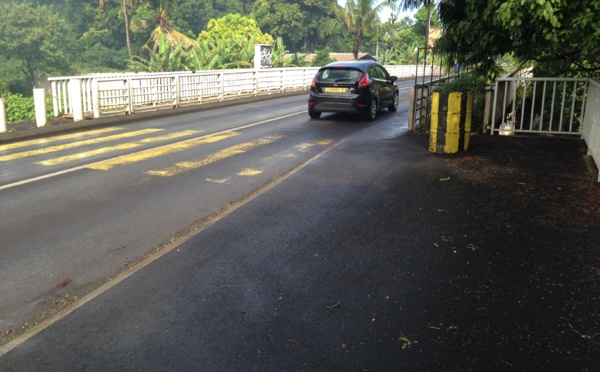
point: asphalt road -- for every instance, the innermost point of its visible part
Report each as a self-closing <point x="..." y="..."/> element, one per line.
<point x="80" y="208"/>
<point x="372" y="255"/>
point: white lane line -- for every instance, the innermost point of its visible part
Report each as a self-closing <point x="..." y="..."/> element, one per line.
<point x="74" y="169"/>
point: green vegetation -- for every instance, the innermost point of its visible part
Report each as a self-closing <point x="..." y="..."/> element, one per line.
<point x="32" y="39"/>
<point x="322" y="58"/>
<point x="19" y="108"/>
<point x="469" y="81"/>
<point x="67" y="37"/>
<point x="556" y="37"/>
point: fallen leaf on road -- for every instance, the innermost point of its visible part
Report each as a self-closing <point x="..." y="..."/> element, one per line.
<point x="334" y="305"/>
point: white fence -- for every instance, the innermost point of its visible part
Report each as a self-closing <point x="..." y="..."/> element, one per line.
<point x="540" y="105"/>
<point x="128" y="93"/>
<point x="591" y="121"/>
<point x="567" y="106"/>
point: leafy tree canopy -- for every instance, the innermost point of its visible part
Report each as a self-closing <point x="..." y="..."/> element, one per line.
<point x="36" y="37"/>
<point x="234" y="30"/>
<point x="281" y="19"/>
<point x="557" y="36"/>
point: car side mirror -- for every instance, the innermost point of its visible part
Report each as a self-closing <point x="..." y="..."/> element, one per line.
<point x="393" y="78"/>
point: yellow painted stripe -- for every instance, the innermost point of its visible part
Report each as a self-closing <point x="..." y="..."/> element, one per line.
<point x="125" y="146"/>
<point x="42" y="141"/>
<point x="223" y="154"/>
<point x="224" y="180"/>
<point x="73" y="145"/>
<point x="433" y="129"/>
<point x="250" y="172"/>
<point x="307" y="146"/>
<point x="161" y="151"/>
<point x="453" y="122"/>
<point x="171" y="136"/>
<point x="87" y="154"/>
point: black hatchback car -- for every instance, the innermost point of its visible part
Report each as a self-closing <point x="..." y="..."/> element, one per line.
<point x="354" y="87"/>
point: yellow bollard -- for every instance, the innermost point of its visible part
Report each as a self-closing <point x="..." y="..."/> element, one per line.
<point x="451" y="115"/>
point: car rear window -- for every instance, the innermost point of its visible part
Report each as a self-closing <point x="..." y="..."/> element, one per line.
<point x="339" y="74"/>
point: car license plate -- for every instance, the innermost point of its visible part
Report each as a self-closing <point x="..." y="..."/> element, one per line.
<point x="334" y="90"/>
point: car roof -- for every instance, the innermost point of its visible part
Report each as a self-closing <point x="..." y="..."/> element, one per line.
<point x="358" y="64"/>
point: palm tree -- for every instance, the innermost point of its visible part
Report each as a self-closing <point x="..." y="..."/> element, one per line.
<point x="416" y="4"/>
<point x="359" y="17"/>
<point x="163" y="26"/>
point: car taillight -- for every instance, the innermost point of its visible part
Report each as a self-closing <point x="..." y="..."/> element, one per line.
<point x="364" y="82"/>
<point x="314" y="82"/>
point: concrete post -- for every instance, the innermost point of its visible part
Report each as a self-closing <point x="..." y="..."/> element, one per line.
<point x="2" y="116"/>
<point x="39" y="100"/>
<point x="487" y="111"/>
<point x="76" y="101"/>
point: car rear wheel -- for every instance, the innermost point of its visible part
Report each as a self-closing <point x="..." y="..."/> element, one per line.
<point x="372" y="113"/>
<point x="394" y="106"/>
<point x="314" y="114"/>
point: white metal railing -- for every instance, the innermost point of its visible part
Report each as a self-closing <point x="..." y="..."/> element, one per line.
<point x="591" y="121"/>
<point x="540" y="105"/>
<point x="131" y="92"/>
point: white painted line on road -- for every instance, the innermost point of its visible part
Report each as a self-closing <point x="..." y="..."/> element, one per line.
<point x="50" y="175"/>
<point x="74" y="169"/>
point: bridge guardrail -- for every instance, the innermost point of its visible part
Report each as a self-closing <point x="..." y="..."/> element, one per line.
<point x="131" y="92"/>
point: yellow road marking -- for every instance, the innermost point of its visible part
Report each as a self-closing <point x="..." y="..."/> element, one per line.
<point x="160" y="151"/>
<point x="250" y="172"/>
<point x="125" y="146"/>
<point x="72" y="145"/>
<point x="41" y="141"/>
<point x="224" y="180"/>
<point x="171" y="136"/>
<point x="68" y="158"/>
<point x="307" y="146"/>
<point x="223" y="154"/>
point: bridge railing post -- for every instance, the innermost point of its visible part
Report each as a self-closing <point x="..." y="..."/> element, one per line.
<point x="2" y="116"/>
<point x="39" y="102"/>
<point x="76" y="101"/>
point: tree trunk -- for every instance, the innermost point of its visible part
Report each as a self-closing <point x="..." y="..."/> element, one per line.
<point x="427" y="30"/>
<point x="127" y="33"/>
<point x="356" y="45"/>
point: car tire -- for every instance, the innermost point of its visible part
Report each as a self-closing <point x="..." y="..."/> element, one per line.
<point x="314" y="114"/>
<point x="394" y="106"/>
<point x="372" y="113"/>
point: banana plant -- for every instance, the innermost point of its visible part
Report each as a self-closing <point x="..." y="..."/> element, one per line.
<point x="167" y="57"/>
